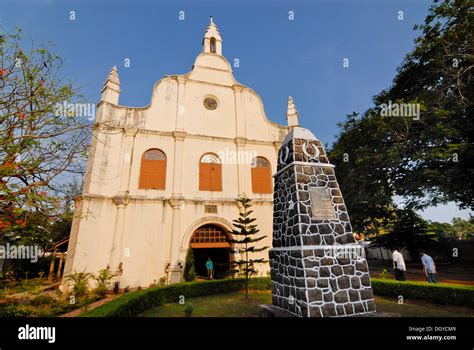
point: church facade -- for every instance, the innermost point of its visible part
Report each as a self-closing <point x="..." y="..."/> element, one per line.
<point x="163" y="179"/>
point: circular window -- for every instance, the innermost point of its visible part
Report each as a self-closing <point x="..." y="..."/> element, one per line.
<point x="210" y="103"/>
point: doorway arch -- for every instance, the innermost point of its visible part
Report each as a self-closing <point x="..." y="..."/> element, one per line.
<point x="209" y="241"/>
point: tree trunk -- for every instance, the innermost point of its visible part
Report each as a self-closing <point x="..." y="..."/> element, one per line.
<point x="246" y="273"/>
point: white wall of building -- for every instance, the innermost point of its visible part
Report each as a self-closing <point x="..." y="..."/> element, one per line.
<point x="141" y="231"/>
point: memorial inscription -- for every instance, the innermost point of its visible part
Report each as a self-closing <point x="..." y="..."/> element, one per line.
<point x="321" y="203"/>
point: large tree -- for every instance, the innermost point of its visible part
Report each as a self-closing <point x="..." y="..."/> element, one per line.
<point x="364" y="169"/>
<point x="41" y="148"/>
<point x="436" y="152"/>
<point x="425" y="161"/>
<point x="463" y="229"/>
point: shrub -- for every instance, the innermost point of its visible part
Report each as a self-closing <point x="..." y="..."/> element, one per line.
<point x="103" y="278"/>
<point x="189" y="266"/>
<point x="132" y="304"/>
<point x="100" y="291"/>
<point x="81" y="282"/>
<point x="116" y="287"/>
<point x="435" y="293"/>
<point x="26" y="310"/>
<point x="41" y="299"/>
<point x="384" y="275"/>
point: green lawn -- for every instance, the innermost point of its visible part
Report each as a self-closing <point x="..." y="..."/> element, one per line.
<point x="235" y="305"/>
<point x="217" y="305"/>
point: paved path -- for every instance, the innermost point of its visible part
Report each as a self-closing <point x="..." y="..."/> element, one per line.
<point x="77" y="312"/>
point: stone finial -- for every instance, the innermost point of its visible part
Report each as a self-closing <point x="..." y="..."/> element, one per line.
<point x="292" y="113"/>
<point x="111" y="89"/>
<point x="113" y="75"/>
<point x="212" y="41"/>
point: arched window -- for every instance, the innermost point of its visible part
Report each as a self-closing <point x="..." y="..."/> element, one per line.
<point x="210" y="173"/>
<point x="153" y="170"/>
<point x="213" y="45"/>
<point x="261" y="176"/>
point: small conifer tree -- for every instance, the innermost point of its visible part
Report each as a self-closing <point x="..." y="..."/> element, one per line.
<point x="245" y="236"/>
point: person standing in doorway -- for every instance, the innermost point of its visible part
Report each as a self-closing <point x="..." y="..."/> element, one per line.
<point x="210" y="269"/>
<point x="429" y="267"/>
<point x="399" y="268"/>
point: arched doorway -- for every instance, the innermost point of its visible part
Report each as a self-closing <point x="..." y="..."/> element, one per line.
<point x="210" y="241"/>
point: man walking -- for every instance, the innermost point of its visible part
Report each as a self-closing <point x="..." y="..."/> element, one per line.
<point x="429" y="267"/>
<point x="210" y="269"/>
<point x="399" y="268"/>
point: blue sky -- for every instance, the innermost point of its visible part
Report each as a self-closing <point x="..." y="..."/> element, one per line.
<point x="278" y="57"/>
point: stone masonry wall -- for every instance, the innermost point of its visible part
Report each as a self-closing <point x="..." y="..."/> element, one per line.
<point x="317" y="268"/>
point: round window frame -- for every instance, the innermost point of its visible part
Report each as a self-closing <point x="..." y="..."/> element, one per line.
<point x="211" y="97"/>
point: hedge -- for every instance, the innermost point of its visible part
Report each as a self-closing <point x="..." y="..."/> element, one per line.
<point x="439" y="293"/>
<point x="132" y="304"/>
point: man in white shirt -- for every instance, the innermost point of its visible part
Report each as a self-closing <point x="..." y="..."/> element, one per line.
<point x="399" y="268"/>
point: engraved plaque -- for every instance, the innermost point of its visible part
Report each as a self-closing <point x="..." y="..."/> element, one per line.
<point x="321" y="203"/>
<point x="212" y="209"/>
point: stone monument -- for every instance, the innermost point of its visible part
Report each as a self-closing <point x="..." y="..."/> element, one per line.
<point x="317" y="268"/>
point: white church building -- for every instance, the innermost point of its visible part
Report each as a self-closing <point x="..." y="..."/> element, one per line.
<point x="164" y="178"/>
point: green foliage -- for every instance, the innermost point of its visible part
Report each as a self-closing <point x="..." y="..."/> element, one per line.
<point x="134" y="303"/>
<point x="409" y="231"/>
<point x="27" y="310"/>
<point x="160" y="283"/>
<point x="80" y="282"/>
<point x="37" y="145"/>
<point x="459" y="229"/>
<point x="384" y="275"/>
<point x="442" y="230"/>
<point x="427" y="161"/>
<point x="463" y="229"/>
<point x="362" y="158"/>
<point x="246" y="232"/>
<point x="100" y="291"/>
<point x="435" y="293"/>
<point x="42" y="299"/>
<point x="189" y="267"/>
<point x="103" y="279"/>
<point x="437" y="152"/>
<point x="45" y="306"/>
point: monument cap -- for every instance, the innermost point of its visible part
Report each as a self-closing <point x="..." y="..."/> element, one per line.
<point x="299" y="133"/>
